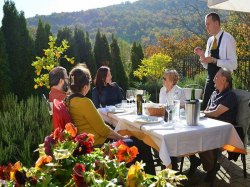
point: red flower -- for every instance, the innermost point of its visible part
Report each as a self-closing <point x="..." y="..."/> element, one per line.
<point x="118" y="143"/>
<point x="71" y="129"/>
<point x="83" y="148"/>
<point x="5" y="172"/>
<point x="78" y="177"/>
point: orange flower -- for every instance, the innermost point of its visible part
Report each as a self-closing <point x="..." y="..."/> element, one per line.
<point x="72" y="62"/>
<point x="41" y="84"/>
<point x="71" y="129"/>
<point x="38" y="73"/>
<point x="126" y="154"/>
<point x="159" y="73"/>
<point x="42" y="160"/>
<point x="91" y="138"/>
<point x="36" y="86"/>
<point x="13" y="170"/>
<point x="48" y="87"/>
<point x="57" y="55"/>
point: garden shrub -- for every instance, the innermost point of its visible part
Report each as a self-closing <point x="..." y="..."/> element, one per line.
<point x="23" y="126"/>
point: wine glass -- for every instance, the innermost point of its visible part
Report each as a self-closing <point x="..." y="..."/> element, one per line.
<point x="129" y="93"/>
<point x="144" y="95"/>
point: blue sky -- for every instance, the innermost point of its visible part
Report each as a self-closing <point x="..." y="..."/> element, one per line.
<point x="46" y="7"/>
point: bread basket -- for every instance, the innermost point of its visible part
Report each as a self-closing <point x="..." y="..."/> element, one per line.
<point x="156" y="111"/>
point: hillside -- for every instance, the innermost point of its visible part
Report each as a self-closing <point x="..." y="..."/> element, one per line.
<point x="142" y="20"/>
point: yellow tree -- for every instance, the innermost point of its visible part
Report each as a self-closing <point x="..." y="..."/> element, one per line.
<point x="153" y="67"/>
<point x="51" y="59"/>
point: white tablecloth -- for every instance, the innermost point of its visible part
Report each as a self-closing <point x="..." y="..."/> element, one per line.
<point x="180" y="139"/>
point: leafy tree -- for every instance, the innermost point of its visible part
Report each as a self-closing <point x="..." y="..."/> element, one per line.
<point x="20" y="50"/>
<point x="4" y="70"/>
<point x="42" y="37"/>
<point x="52" y="58"/>
<point x="136" y="57"/>
<point x="121" y="76"/>
<point x="153" y="67"/>
<point x="66" y="34"/>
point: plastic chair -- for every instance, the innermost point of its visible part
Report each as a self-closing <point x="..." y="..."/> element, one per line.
<point x="198" y="91"/>
<point x="49" y="105"/>
<point x="61" y="115"/>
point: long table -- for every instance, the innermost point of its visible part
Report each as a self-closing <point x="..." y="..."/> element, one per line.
<point x="179" y="139"/>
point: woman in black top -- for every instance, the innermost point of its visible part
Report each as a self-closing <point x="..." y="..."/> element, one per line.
<point x="106" y="92"/>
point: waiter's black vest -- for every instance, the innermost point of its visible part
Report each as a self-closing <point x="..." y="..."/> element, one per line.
<point x="212" y="68"/>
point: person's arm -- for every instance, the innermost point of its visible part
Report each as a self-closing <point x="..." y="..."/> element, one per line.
<point x="95" y="97"/>
<point x="115" y="136"/>
<point x="217" y="112"/>
<point x="228" y="55"/>
<point x="119" y="93"/>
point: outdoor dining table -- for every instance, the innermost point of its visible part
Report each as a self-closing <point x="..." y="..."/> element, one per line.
<point x="177" y="140"/>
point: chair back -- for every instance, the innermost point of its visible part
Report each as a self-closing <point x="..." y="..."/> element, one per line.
<point x="198" y="91"/>
<point x="61" y="115"/>
<point x="49" y="105"/>
<point x="243" y="113"/>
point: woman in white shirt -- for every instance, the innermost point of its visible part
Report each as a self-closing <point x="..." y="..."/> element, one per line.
<point x="169" y="81"/>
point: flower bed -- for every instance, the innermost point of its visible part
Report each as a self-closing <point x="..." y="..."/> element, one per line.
<point x="67" y="159"/>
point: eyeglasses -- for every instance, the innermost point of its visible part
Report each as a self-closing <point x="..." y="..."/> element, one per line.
<point x="90" y="82"/>
<point x="164" y="78"/>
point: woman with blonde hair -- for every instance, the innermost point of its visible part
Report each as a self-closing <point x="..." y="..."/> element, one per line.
<point x="169" y="81"/>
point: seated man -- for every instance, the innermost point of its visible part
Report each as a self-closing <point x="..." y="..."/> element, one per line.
<point x="222" y="106"/>
<point x="58" y="81"/>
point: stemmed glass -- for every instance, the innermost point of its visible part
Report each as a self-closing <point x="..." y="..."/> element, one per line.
<point x="144" y="95"/>
<point x="169" y="104"/>
<point x="129" y="94"/>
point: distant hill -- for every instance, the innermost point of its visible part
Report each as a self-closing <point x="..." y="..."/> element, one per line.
<point x="143" y="20"/>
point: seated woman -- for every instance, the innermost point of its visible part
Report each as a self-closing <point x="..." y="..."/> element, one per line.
<point x="105" y="93"/>
<point x="169" y="81"/>
<point x="87" y="119"/>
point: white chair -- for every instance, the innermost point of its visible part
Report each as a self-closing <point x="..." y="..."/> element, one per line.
<point x="49" y="105"/>
<point x="198" y="91"/>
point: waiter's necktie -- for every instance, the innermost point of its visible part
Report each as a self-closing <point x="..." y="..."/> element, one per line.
<point x="214" y="46"/>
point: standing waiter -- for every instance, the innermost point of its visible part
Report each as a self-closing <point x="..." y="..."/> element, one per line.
<point x="220" y="53"/>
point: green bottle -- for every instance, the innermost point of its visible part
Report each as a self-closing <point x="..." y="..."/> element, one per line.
<point x="193" y="95"/>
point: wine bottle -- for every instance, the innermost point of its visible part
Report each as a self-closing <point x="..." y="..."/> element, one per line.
<point x="193" y="95"/>
<point x="139" y="104"/>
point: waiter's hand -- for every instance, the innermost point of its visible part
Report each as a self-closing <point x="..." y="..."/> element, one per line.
<point x="199" y="51"/>
<point x="207" y="60"/>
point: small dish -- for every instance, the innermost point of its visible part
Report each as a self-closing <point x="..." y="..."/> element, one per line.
<point x="148" y="119"/>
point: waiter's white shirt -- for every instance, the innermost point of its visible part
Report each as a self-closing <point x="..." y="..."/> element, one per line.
<point x="163" y="94"/>
<point x="227" y="51"/>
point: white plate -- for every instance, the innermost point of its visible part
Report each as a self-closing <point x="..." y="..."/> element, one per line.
<point x="124" y="105"/>
<point x="182" y="115"/>
<point x="149" y="119"/>
<point x="117" y="110"/>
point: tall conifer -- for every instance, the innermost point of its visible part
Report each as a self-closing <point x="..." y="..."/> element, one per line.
<point x="121" y="76"/>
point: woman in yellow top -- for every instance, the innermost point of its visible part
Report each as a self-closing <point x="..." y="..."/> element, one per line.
<point x="82" y="110"/>
<point x="87" y="119"/>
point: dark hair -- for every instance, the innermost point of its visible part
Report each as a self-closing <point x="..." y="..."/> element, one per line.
<point x="100" y="77"/>
<point x="215" y="16"/>
<point x="226" y="73"/>
<point x="55" y="75"/>
<point x="79" y="77"/>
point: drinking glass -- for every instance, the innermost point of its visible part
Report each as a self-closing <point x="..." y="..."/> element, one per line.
<point x="129" y="94"/>
<point x="144" y="95"/>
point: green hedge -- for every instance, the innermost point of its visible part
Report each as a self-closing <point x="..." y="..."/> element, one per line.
<point x="23" y="127"/>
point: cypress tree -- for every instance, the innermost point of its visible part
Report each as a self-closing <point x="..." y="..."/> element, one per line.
<point x="90" y="58"/>
<point x="102" y="53"/>
<point x="42" y="37"/>
<point x="121" y="76"/>
<point x="20" y="50"/>
<point x="4" y="70"/>
<point x="66" y="34"/>
<point x="136" y="57"/>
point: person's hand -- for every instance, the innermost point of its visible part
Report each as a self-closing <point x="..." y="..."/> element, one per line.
<point x="125" y="137"/>
<point x="207" y="60"/>
<point x="199" y="51"/>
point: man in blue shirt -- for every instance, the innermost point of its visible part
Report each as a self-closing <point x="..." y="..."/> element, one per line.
<point x="222" y="106"/>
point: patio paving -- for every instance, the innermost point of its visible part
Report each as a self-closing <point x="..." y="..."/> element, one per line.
<point x="230" y="173"/>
